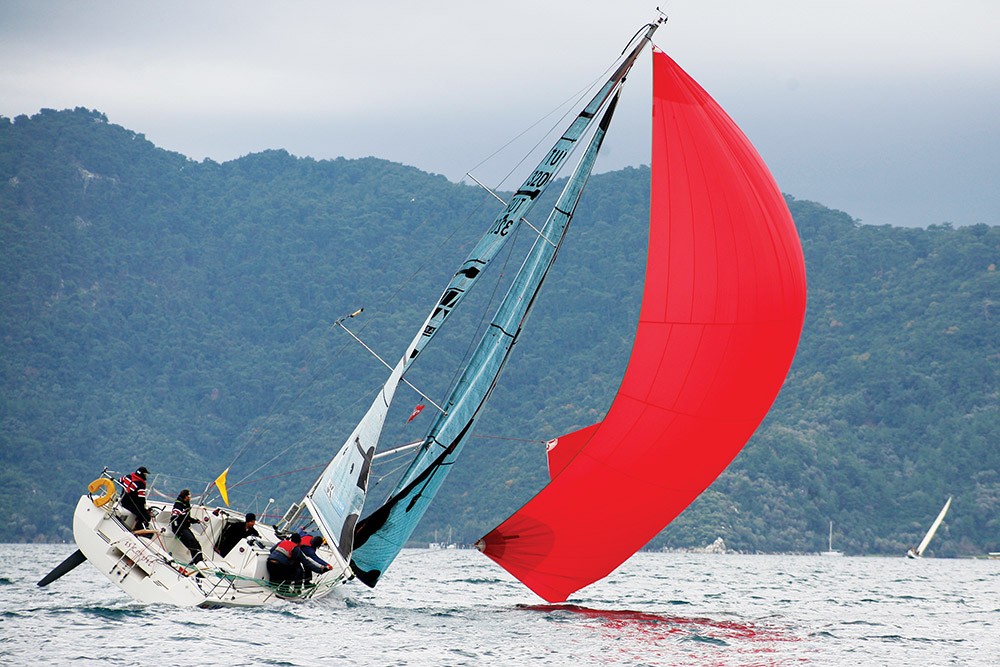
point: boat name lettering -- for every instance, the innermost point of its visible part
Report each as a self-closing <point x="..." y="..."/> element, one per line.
<point x="538" y="179"/>
<point x="138" y="554"/>
<point x="555" y="156"/>
<point x="502" y="225"/>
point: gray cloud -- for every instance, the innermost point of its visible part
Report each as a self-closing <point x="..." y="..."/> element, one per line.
<point x="886" y="110"/>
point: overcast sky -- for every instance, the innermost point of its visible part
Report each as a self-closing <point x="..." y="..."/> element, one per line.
<point x="886" y="109"/>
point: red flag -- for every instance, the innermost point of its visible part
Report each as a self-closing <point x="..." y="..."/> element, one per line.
<point x="416" y="411"/>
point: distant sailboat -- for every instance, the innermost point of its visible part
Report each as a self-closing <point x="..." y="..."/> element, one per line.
<point x="919" y="551"/>
<point x="829" y="550"/>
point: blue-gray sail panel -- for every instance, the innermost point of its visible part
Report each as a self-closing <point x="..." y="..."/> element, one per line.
<point x="383" y="534"/>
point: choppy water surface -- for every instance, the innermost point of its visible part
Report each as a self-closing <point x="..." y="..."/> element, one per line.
<point x="455" y="607"/>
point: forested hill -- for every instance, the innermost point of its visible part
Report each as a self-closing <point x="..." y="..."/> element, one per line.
<point x="170" y="313"/>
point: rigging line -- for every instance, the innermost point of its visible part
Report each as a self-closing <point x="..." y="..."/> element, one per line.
<point x="522" y="218"/>
<point x="248" y="482"/>
<point x="484" y="314"/>
<point x="258" y="434"/>
<point x="377" y="312"/>
<point x="500" y="437"/>
<point x="159" y="494"/>
<point x="155" y="485"/>
<point x="486" y="310"/>
<point x="401" y="456"/>
<point x="302" y="439"/>
<point x="403" y="462"/>
<point x="571" y="102"/>
<point x="511" y="250"/>
<point x="428" y="261"/>
<point x="277" y="408"/>
<point x="662" y="19"/>
<point x="387" y="365"/>
<point x="295" y="443"/>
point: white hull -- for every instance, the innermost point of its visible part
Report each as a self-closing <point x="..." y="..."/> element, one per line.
<point x="153" y="568"/>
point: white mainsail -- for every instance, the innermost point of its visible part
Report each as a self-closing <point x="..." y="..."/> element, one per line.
<point x="336" y="499"/>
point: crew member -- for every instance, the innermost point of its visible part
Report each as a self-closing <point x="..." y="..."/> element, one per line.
<point x="134" y="497"/>
<point x="309" y="545"/>
<point x="286" y="564"/>
<point x="180" y="522"/>
<point x="232" y="533"/>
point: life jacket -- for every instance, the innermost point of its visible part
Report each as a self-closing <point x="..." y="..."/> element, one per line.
<point x="283" y="550"/>
<point x="133" y="483"/>
<point x="307" y="541"/>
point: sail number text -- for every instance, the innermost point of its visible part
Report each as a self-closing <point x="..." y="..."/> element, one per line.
<point x="528" y="192"/>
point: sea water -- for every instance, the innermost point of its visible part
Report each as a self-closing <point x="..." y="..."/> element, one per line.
<point x="455" y="607"/>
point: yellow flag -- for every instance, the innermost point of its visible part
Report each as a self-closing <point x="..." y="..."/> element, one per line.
<point x="220" y="482"/>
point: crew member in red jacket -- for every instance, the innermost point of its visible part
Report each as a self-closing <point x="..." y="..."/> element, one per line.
<point x="134" y="497"/>
<point x="286" y="564"/>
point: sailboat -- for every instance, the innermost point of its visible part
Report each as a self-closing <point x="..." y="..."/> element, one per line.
<point x="829" y="549"/>
<point x="722" y="311"/>
<point x="918" y="551"/>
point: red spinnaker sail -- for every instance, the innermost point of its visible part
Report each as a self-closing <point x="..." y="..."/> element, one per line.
<point x="723" y="307"/>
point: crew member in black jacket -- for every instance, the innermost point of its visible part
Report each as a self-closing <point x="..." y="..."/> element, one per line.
<point x="180" y="520"/>
<point x="234" y="532"/>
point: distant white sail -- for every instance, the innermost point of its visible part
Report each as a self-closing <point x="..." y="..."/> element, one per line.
<point x="934" y="526"/>
<point x="830" y="551"/>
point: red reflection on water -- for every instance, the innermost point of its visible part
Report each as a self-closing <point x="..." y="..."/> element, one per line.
<point x="743" y="638"/>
